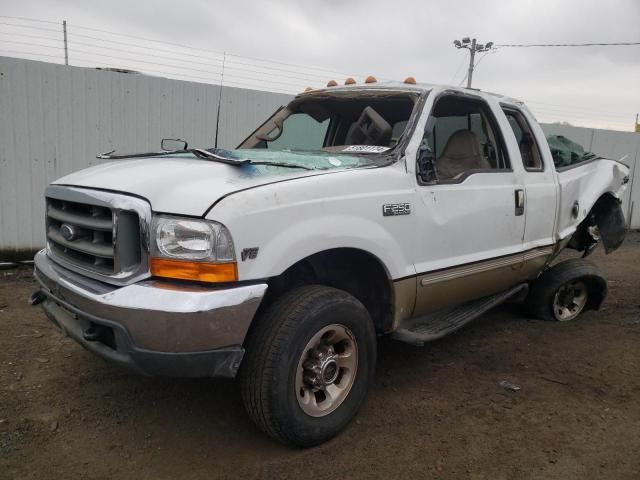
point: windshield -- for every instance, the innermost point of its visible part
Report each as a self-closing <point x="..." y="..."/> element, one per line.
<point x="361" y="123"/>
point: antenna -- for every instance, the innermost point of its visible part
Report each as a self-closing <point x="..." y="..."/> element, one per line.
<point x="224" y="59"/>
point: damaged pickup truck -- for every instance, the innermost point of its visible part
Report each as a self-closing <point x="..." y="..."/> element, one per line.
<point x="355" y="211"/>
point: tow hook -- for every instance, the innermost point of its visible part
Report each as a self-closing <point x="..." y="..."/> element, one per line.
<point x="37" y="298"/>
<point x="94" y="333"/>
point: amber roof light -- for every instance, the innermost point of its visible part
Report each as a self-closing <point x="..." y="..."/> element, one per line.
<point x="350" y="81"/>
<point x="332" y="83"/>
<point x="308" y="89"/>
<point x="410" y="80"/>
<point x="370" y="79"/>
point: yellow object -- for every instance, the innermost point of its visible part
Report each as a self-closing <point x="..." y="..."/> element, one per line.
<point x="198" y="271"/>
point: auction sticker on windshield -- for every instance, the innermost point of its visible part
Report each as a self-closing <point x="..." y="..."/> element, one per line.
<point x="365" y="148"/>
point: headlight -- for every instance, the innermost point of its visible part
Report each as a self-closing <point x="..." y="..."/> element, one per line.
<point x="188" y="239"/>
<point x="192" y="250"/>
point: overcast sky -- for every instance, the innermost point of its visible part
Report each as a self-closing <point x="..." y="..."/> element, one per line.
<point x="593" y="86"/>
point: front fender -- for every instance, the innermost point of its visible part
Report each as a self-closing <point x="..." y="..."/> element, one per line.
<point x="290" y="221"/>
<point x="295" y="242"/>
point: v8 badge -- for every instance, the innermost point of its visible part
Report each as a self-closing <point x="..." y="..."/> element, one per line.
<point x="249" y="253"/>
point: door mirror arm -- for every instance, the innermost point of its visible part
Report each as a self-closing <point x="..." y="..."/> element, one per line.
<point x="426" y="164"/>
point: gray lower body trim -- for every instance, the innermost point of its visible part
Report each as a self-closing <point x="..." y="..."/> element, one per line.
<point x="221" y="362"/>
<point x="462" y="283"/>
<point x="154" y="327"/>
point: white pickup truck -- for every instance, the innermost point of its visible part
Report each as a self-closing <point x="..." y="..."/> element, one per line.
<point x="355" y="211"/>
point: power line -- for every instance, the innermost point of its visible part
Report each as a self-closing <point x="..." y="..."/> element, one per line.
<point x="458" y="70"/>
<point x="128" y="44"/>
<point x="305" y="70"/>
<point x="32" y="27"/>
<point x="261" y="71"/>
<point x="14" y="34"/>
<point x="30" y="44"/>
<point x="14" y="52"/>
<point x="144" y="61"/>
<point x="526" y="45"/>
<point x="29" y="19"/>
<point x="322" y="69"/>
<point x="290" y="73"/>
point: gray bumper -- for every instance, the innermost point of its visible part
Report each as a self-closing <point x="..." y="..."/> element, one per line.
<point x="153" y="327"/>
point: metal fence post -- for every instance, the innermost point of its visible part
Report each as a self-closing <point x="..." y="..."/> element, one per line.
<point x="66" y="49"/>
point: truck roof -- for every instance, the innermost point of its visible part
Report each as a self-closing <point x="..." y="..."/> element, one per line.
<point x="417" y="87"/>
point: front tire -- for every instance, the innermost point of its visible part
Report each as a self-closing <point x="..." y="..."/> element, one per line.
<point x="308" y="364"/>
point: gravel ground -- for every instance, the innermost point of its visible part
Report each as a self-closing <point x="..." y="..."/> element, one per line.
<point x="433" y="412"/>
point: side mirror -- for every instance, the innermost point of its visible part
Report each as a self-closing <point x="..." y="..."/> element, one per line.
<point x="426" y="163"/>
<point x="173" y="144"/>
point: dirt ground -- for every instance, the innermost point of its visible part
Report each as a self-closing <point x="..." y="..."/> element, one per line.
<point x="433" y="412"/>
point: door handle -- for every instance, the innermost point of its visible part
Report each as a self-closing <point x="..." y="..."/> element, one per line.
<point x="519" y="198"/>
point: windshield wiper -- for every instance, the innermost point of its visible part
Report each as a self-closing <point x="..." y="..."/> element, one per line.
<point x="110" y="155"/>
<point x="202" y="154"/>
<point x="207" y="155"/>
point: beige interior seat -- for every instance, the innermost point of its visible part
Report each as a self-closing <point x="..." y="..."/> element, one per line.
<point x="530" y="155"/>
<point x="462" y="152"/>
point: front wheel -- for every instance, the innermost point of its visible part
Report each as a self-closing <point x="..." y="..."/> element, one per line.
<point x="308" y="364"/>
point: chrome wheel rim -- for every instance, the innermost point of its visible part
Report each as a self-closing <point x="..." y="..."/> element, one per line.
<point x="570" y="300"/>
<point x="326" y="370"/>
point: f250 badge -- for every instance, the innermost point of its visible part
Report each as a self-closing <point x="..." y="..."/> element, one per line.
<point x="249" y="253"/>
<point x="391" y="209"/>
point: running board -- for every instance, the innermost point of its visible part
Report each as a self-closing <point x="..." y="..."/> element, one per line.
<point x="433" y="326"/>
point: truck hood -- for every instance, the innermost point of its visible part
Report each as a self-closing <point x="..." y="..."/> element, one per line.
<point x="183" y="184"/>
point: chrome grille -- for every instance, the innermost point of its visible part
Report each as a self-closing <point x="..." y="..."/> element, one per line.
<point x="100" y="234"/>
<point x="82" y="234"/>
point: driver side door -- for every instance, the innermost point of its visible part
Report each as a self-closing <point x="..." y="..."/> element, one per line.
<point x="470" y="215"/>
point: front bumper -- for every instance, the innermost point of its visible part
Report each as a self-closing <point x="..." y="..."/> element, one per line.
<point x="153" y="327"/>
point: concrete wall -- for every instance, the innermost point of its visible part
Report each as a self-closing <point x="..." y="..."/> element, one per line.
<point x="55" y="119"/>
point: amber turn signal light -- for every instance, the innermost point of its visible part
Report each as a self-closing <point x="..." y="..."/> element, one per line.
<point x="197" y="271"/>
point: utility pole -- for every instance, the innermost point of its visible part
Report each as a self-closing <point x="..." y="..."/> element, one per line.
<point x="472" y="56"/>
<point x="473" y="47"/>
<point x="66" y="50"/>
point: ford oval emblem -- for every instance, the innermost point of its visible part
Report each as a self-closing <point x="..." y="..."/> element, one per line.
<point x="67" y="232"/>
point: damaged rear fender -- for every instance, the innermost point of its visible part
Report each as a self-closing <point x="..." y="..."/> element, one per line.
<point x="605" y="222"/>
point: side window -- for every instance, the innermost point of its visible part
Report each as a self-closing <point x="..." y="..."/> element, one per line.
<point x="465" y="139"/>
<point x="300" y="132"/>
<point x="529" y="151"/>
<point x="444" y="128"/>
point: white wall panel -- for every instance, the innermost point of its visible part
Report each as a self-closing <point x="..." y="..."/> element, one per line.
<point x="55" y="119"/>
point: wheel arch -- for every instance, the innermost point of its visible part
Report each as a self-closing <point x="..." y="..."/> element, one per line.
<point x="607" y="215"/>
<point x="356" y="271"/>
